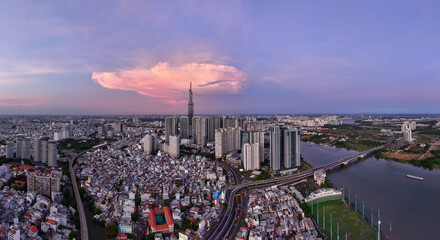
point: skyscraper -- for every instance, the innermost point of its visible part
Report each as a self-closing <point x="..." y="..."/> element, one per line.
<point x="9" y="149"/>
<point x="52" y="154"/>
<point x="284" y="148"/>
<point x="213" y="124"/>
<point x="37" y="150"/>
<point x="174" y="146"/>
<point x="200" y="125"/>
<point x="277" y="147"/>
<point x="23" y="147"/>
<point x="171" y="127"/>
<point x="292" y="156"/>
<point x="190" y="110"/>
<point x="150" y="143"/>
<point x="184" y="127"/>
<point x="226" y="140"/>
<point x="44" y="149"/>
<point x="253" y="137"/>
<point x="251" y="156"/>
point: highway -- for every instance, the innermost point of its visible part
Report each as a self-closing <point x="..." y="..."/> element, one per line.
<point x="79" y="204"/>
<point x="224" y="229"/>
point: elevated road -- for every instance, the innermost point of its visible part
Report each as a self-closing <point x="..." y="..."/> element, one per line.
<point x="230" y="215"/>
<point x="79" y="204"/>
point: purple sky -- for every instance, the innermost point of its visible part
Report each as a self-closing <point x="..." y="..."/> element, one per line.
<point x="123" y="57"/>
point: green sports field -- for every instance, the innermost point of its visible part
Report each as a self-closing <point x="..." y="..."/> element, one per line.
<point x="350" y="222"/>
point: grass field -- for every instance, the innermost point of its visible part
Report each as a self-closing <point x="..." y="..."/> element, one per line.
<point x="349" y="221"/>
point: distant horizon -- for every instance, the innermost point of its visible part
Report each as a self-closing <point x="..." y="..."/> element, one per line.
<point x="232" y="114"/>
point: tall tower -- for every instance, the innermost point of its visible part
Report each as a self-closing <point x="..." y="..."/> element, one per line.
<point x="190" y="109"/>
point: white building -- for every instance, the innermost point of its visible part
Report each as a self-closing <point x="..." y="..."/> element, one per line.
<point x="407" y="132"/>
<point x="174" y="146"/>
<point x="57" y="136"/>
<point x="251" y="156"/>
<point x="65" y="134"/>
<point x="319" y="177"/>
<point x="150" y="143"/>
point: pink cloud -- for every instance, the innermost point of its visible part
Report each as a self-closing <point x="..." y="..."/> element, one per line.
<point x="17" y="102"/>
<point x="164" y="81"/>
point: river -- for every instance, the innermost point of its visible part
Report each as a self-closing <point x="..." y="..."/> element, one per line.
<point x="411" y="206"/>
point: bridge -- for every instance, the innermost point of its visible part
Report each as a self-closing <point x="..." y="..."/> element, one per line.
<point x="226" y="223"/>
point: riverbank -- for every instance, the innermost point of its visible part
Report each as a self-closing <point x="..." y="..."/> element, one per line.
<point x="430" y="163"/>
<point x="382" y="185"/>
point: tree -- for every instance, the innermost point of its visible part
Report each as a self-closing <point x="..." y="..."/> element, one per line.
<point x="111" y="231"/>
<point x="73" y="234"/>
<point x="137" y="201"/>
<point x="135" y="216"/>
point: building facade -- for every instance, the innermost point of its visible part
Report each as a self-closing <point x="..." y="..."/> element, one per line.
<point x="251" y="156"/>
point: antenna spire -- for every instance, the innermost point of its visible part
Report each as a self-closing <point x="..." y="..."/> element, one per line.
<point x="190" y="85"/>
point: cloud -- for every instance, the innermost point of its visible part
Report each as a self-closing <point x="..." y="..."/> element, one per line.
<point x="165" y="81"/>
<point x="17" y="102"/>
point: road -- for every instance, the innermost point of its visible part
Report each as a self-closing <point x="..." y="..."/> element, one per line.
<point x="79" y="204"/>
<point x="224" y="230"/>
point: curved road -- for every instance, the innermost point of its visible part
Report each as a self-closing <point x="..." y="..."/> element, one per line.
<point x="79" y="204"/>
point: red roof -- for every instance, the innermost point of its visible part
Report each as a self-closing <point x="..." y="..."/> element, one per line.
<point x="33" y="229"/>
<point x="51" y="221"/>
<point x="26" y="167"/>
<point x="169" y="219"/>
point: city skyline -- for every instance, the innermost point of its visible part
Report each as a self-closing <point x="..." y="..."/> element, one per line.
<point x="242" y="57"/>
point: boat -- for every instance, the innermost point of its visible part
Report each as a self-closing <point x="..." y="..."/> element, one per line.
<point x="415" y="177"/>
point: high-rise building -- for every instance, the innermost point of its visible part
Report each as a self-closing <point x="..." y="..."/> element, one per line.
<point x="52" y="154"/>
<point x="174" y="146"/>
<point x="9" y="149"/>
<point x="175" y="126"/>
<point x="277" y="147"/>
<point x="284" y="147"/>
<point x="65" y="134"/>
<point x="200" y="125"/>
<point x="253" y="137"/>
<point x="226" y="140"/>
<point x="190" y="110"/>
<point x="150" y="143"/>
<point x="214" y="123"/>
<point x="44" y="144"/>
<point x="101" y="131"/>
<point x="251" y="156"/>
<point x="23" y="147"/>
<point x="220" y="143"/>
<point x="171" y="127"/>
<point x="168" y="128"/>
<point x="44" y="183"/>
<point x="292" y="155"/>
<point x="407" y="132"/>
<point x="57" y="136"/>
<point x="118" y="127"/>
<point x="37" y="150"/>
<point x="184" y="127"/>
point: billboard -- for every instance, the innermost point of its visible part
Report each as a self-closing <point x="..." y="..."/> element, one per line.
<point x="183" y="236"/>
<point x="217" y="195"/>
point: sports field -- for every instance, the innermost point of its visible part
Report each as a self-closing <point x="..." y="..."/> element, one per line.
<point x="350" y="222"/>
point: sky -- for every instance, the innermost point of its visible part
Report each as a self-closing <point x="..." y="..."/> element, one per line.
<point x="243" y="57"/>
